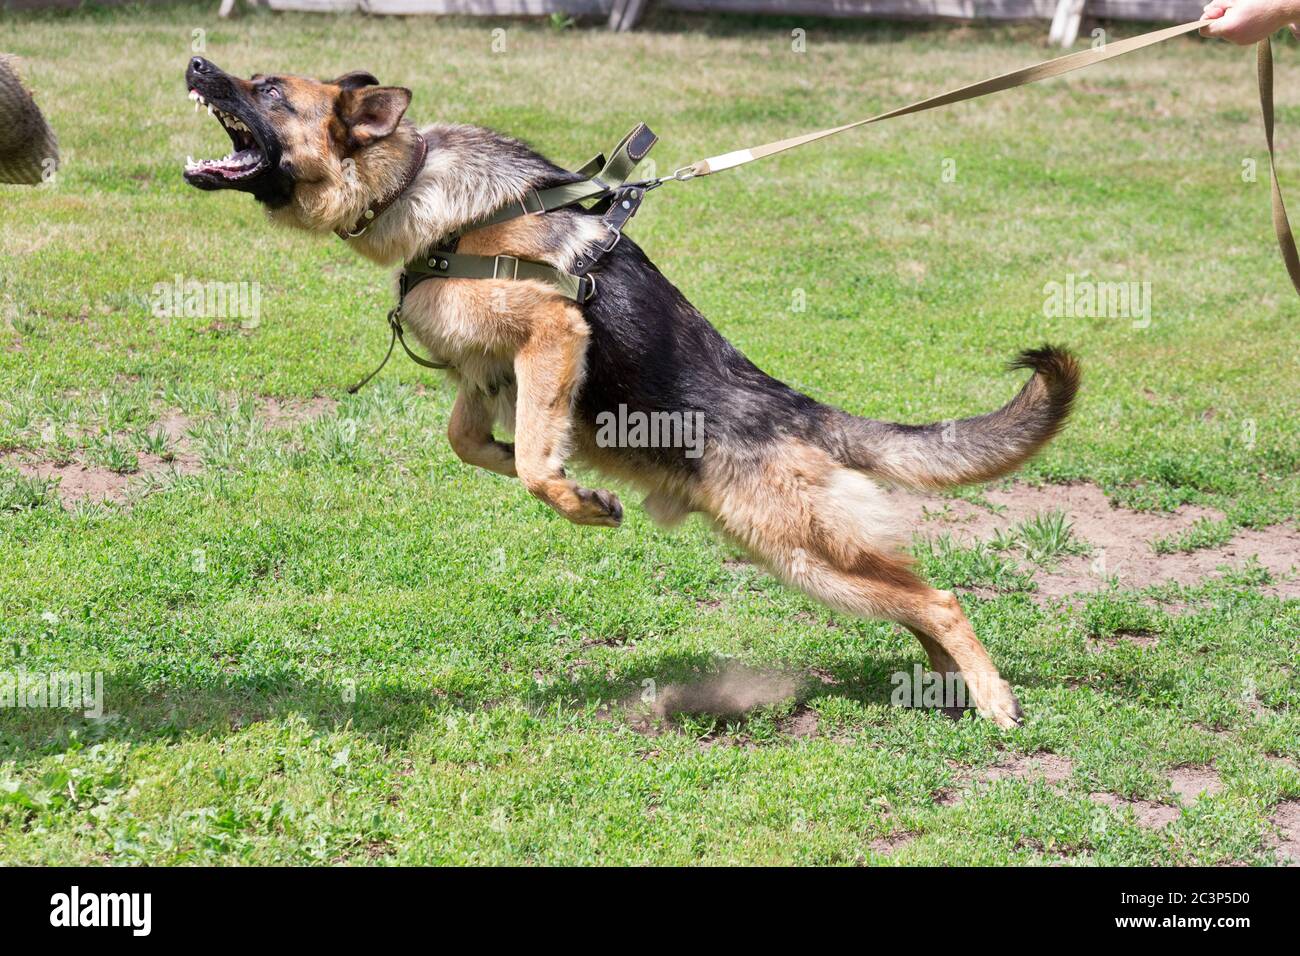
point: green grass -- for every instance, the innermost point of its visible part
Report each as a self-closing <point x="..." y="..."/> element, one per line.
<point x="1042" y="539"/>
<point x="1205" y="533"/>
<point x="336" y="643"/>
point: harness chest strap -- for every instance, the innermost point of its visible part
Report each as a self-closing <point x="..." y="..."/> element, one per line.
<point x="578" y="285"/>
<point x="606" y="179"/>
<point x="619" y="206"/>
<point x="459" y="265"/>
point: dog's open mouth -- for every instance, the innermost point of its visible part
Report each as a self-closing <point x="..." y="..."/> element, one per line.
<point x="246" y="161"/>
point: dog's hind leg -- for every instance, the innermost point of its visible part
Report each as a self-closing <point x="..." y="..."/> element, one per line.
<point x="882" y="586"/>
<point x="828" y="532"/>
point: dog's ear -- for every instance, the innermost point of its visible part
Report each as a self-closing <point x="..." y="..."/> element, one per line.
<point x="373" y="112"/>
<point x="355" y="79"/>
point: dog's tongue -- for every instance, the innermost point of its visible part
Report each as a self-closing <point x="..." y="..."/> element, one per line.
<point x="233" y="166"/>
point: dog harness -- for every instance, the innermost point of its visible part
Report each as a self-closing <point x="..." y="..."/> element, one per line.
<point x="604" y="180"/>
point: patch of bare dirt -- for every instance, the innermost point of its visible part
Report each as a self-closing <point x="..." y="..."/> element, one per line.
<point x="824" y="676"/>
<point x="887" y="845"/>
<point x="79" y="481"/>
<point x="289" y="412"/>
<point x="1192" y="783"/>
<point x="1050" y="768"/>
<point x="801" y="724"/>
<point x="1146" y="812"/>
<point x="1135" y="638"/>
<point x="175" y="425"/>
<point x="1121" y="539"/>
<point x="1287" y="820"/>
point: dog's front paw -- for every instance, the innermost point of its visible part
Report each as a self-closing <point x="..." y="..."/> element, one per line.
<point x="1001" y="706"/>
<point x="597" y="507"/>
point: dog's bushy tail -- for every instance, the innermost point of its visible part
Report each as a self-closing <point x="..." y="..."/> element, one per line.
<point x="967" y="450"/>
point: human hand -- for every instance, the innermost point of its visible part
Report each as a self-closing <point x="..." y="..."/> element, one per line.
<point x="1249" y="21"/>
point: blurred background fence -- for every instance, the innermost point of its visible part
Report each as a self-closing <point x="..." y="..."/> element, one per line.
<point x="626" y="14"/>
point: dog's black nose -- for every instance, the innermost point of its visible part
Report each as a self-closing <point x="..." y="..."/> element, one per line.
<point x="200" y="65"/>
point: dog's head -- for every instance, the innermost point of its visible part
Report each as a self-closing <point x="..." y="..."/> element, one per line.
<point x="293" y="137"/>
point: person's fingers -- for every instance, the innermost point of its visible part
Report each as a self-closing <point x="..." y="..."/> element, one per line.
<point x="1214" y="11"/>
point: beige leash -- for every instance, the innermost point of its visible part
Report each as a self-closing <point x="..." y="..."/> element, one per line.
<point x="1032" y="74"/>
<point x="1281" y="225"/>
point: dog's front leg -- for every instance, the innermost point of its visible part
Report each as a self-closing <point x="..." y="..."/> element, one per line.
<point x="549" y="368"/>
<point x="470" y="434"/>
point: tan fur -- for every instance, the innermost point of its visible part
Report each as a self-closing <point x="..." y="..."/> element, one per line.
<point x="827" y="531"/>
<point x="519" y="352"/>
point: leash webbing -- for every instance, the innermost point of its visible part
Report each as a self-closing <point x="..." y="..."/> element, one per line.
<point x="1032" y="74"/>
<point x="1281" y="225"/>
<point x="1005" y="81"/>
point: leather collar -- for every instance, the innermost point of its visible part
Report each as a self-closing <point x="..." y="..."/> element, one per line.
<point x="376" y="209"/>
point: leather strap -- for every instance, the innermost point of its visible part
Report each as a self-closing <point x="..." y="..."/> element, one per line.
<point x="618" y="209"/>
<point x="395" y="325"/>
<point x="376" y="209"/>
<point x="601" y="177"/>
<point x="1005" y="81"/>
<point x="1032" y="74"/>
<point x="461" y="265"/>
<point x="1281" y="225"/>
<point x="577" y="285"/>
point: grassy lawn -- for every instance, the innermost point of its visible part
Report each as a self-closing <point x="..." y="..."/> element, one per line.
<point x="324" y="639"/>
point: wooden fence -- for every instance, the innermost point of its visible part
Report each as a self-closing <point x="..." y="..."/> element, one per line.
<point x="625" y="14"/>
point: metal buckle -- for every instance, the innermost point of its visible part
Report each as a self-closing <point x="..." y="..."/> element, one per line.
<point x="514" y="267"/>
<point x="523" y="203"/>
<point x="618" y="235"/>
<point x="591" y="286"/>
<point x="366" y="219"/>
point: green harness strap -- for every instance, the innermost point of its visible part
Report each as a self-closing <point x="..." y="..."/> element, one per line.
<point x="602" y="178"/>
<point x="460" y="265"/>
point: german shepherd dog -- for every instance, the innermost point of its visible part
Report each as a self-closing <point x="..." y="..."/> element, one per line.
<point x="795" y="483"/>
